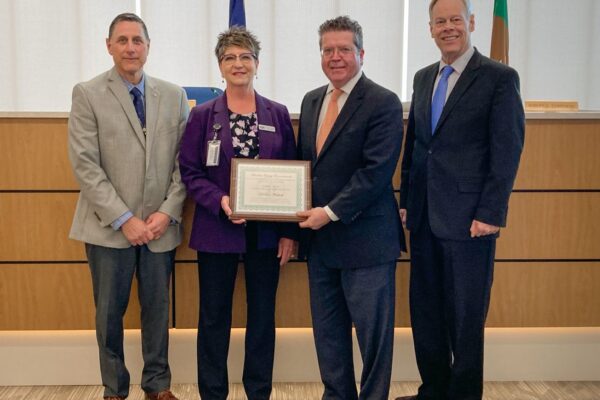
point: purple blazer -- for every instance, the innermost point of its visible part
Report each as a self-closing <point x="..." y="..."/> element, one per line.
<point x="212" y="231"/>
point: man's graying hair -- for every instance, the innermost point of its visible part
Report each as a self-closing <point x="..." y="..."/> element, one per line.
<point x="467" y="4"/>
<point x="342" y="23"/>
<point x="127" y="17"/>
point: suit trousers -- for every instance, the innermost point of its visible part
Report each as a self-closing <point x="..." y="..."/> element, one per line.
<point x="450" y="285"/>
<point x="217" y="275"/>
<point x="364" y="297"/>
<point x="112" y="273"/>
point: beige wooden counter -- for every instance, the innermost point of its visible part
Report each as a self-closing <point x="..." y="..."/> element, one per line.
<point x="548" y="258"/>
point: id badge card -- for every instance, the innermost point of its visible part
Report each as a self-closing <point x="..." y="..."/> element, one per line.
<point x="212" y="155"/>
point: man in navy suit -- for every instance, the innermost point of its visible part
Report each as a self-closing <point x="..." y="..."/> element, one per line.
<point x="463" y="143"/>
<point x="351" y="131"/>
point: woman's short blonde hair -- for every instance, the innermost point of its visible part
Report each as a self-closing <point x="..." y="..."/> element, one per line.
<point x="237" y="36"/>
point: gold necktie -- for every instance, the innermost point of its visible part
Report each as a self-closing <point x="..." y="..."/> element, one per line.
<point x="329" y="119"/>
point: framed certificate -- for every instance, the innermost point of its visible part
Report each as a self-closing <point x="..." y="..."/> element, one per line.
<point x="269" y="190"/>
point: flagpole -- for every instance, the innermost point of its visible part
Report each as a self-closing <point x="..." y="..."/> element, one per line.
<point x="499" y="47"/>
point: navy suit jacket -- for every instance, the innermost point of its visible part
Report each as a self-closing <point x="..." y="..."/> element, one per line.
<point x="467" y="168"/>
<point x="211" y="230"/>
<point x="353" y="175"/>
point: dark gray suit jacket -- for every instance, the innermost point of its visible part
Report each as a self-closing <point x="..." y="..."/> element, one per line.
<point x="353" y="175"/>
<point x="466" y="170"/>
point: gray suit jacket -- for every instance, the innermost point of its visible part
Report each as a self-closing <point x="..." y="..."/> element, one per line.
<point x="118" y="167"/>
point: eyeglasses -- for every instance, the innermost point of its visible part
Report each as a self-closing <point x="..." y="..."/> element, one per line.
<point x="245" y="58"/>
<point x="454" y="21"/>
<point x="328" y="52"/>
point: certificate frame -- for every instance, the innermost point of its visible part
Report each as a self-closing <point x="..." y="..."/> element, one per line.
<point x="269" y="190"/>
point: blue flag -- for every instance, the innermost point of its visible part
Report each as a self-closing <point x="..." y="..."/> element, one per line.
<point x="237" y="15"/>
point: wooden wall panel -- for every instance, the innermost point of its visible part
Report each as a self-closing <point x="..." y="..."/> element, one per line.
<point x="35" y="227"/>
<point x="293" y="300"/>
<point x="560" y="154"/>
<point x="540" y="226"/>
<point x="59" y="296"/>
<point x="52" y="296"/>
<point x="402" y="281"/>
<point x="40" y="223"/>
<point x="524" y="295"/>
<point x="37" y="159"/>
<point x="183" y="251"/>
<point x="545" y="295"/>
<point x="186" y="295"/>
<point x="551" y="226"/>
<point x="293" y="308"/>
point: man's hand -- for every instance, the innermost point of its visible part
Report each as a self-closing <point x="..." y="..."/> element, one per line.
<point x="228" y="212"/>
<point x="136" y="231"/>
<point x="403" y="216"/>
<point x="482" y="229"/>
<point x="158" y="223"/>
<point x="284" y="252"/>
<point x="316" y="218"/>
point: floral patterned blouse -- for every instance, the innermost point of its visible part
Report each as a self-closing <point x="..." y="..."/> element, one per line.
<point x="244" y="134"/>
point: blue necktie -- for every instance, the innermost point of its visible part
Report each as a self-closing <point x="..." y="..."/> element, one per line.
<point x="439" y="97"/>
<point x="138" y="103"/>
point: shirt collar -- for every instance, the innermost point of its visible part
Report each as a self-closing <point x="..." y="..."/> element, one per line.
<point x="347" y="88"/>
<point x="141" y="85"/>
<point x="461" y="62"/>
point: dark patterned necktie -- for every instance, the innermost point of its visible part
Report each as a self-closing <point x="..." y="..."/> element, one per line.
<point x="138" y="103"/>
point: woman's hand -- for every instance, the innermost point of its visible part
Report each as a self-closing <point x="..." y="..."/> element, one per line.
<point x="228" y="212"/>
<point x="284" y="252"/>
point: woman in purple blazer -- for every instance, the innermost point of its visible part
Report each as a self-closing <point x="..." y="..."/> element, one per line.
<point x="240" y="123"/>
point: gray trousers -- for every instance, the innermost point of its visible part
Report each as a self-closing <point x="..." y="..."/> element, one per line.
<point x="112" y="274"/>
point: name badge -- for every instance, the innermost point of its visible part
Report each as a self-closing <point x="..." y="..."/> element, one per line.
<point x="212" y="155"/>
<point x="266" y="128"/>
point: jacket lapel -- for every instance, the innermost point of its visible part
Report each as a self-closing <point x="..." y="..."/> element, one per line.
<point x="119" y="90"/>
<point x="315" y="107"/>
<point x="152" y="97"/>
<point x="221" y="117"/>
<point x="428" y="94"/>
<point x="352" y="103"/>
<point x="466" y="79"/>
<point x="265" y="119"/>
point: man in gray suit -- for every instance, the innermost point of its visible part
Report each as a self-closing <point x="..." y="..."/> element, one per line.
<point x="124" y="132"/>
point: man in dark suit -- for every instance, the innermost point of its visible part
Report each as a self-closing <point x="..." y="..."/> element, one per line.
<point x="353" y="234"/>
<point x="463" y="143"/>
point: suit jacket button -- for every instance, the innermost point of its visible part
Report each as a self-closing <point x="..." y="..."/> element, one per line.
<point x="429" y="152"/>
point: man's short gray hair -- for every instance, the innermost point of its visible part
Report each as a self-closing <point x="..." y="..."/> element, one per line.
<point x="467" y="4"/>
<point x="342" y="23"/>
<point x="130" y="17"/>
